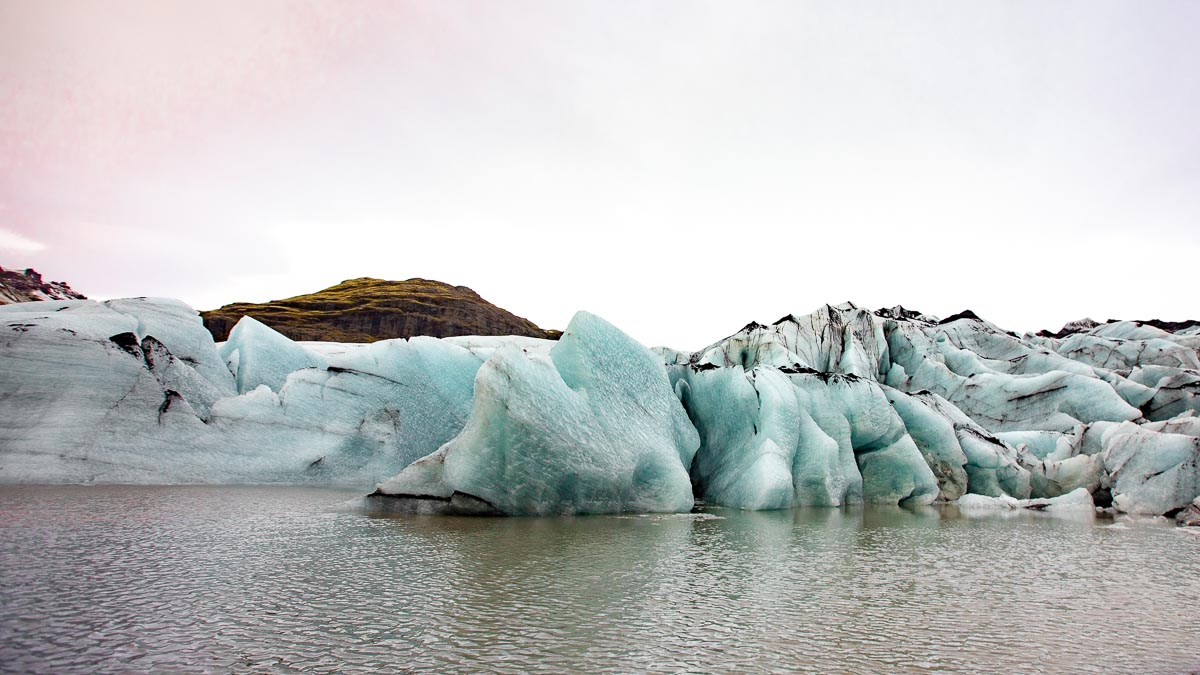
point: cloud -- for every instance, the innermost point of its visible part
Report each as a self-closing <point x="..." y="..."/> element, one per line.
<point x="11" y="241"/>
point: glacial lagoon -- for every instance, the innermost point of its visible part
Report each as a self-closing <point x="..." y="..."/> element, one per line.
<point x="289" y="579"/>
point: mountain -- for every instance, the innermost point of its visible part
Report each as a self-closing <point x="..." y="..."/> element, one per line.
<point x="366" y="310"/>
<point x="28" y="286"/>
<point x="1087" y="325"/>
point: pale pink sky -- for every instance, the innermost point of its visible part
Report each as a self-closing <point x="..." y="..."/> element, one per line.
<point x="680" y="168"/>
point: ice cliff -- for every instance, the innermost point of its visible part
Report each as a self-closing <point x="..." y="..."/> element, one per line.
<point x="836" y="407"/>
<point x="592" y="427"/>
<point x="1108" y="407"/>
<point x="135" y="391"/>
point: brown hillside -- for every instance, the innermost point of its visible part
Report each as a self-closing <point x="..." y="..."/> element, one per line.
<point x="366" y="310"/>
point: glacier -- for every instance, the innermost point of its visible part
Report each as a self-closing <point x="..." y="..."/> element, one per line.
<point x="776" y="438"/>
<point x="132" y="391"/>
<point x="840" y="406"/>
<point x="1108" y="408"/>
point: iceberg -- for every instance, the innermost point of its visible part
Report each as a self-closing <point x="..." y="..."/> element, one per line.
<point x="1074" y="502"/>
<point x="593" y="427"/>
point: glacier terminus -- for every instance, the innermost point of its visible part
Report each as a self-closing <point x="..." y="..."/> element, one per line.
<point x="840" y="406"/>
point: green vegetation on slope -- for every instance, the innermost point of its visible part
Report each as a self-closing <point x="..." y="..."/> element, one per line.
<point x="366" y="310"/>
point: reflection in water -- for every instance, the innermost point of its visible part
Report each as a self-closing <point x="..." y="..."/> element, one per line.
<point x="282" y="580"/>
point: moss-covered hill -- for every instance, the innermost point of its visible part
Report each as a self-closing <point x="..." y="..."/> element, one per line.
<point x="366" y="310"/>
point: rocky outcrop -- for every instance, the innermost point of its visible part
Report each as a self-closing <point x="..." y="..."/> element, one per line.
<point x="1070" y="328"/>
<point x="28" y="286"/>
<point x="1087" y="325"/>
<point x="1190" y="516"/>
<point x="366" y="310"/>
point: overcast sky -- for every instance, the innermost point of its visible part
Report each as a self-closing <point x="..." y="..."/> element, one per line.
<point x="680" y="168"/>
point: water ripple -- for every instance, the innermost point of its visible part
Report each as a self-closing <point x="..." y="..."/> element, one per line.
<point x="280" y="580"/>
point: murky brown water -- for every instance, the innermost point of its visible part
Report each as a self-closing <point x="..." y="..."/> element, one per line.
<point x="255" y="579"/>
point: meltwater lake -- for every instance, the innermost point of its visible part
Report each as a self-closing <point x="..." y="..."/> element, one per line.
<point x="287" y="579"/>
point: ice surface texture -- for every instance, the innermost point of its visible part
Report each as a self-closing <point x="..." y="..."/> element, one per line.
<point x="1076" y="502"/>
<point x="772" y="440"/>
<point x="135" y="391"/>
<point x="592" y="428"/>
<point x="258" y="355"/>
<point x="835" y="407"/>
<point x="1106" y="408"/>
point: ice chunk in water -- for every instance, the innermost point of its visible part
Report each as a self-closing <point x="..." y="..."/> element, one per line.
<point x="593" y="428"/>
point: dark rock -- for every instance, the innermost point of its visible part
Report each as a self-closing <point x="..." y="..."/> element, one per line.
<point x="129" y="343"/>
<point x="1168" y="326"/>
<point x="1084" y="325"/>
<point x="1189" y="516"/>
<point x="28" y="286"/>
<point x="965" y="314"/>
<point x="901" y="313"/>
<point x="1070" y="328"/>
<point x="170" y="397"/>
<point x="457" y="504"/>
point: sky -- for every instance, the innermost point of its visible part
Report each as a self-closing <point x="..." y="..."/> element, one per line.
<point x="679" y="168"/>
